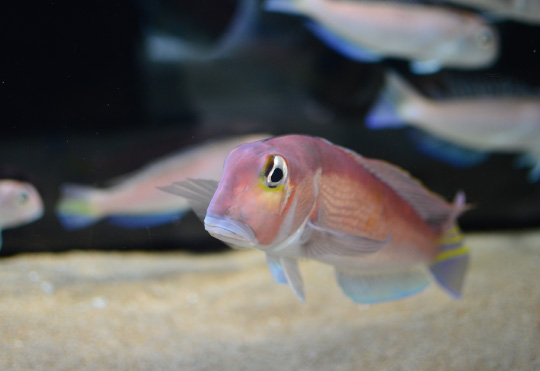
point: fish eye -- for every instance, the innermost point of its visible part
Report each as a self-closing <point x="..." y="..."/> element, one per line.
<point x="276" y="172"/>
<point x="485" y="38"/>
<point x="22" y="198"/>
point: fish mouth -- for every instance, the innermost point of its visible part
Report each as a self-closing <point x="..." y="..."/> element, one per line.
<point x="232" y="232"/>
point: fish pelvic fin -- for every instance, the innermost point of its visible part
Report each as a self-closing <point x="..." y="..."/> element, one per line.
<point x="286" y="271"/>
<point x="376" y="287"/>
<point x="76" y="208"/>
<point x="274" y="264"/>
<point x="450" y="265"/>
<point x="396" y="104"/>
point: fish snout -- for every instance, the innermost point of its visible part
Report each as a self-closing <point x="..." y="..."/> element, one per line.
<point x="231" y="231"/>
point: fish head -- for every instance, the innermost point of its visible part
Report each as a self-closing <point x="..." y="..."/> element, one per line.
<point x="265" y="195"/>
<point x="479" y="44"/>
<point x="20" y="203"/>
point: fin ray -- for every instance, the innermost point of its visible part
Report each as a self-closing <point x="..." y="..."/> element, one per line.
<point x="274" y="264"/>
<point x="294" y="278"/>
<point x="450" y="265"/>
<point x="324" y="242"/>
<point x="198" y="193"/>
<point x="433" y="209"/>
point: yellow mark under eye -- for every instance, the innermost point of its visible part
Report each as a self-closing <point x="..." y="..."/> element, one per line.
<point x="275" y="173"/>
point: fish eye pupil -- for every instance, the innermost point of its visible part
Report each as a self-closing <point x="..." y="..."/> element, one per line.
<point x="23" y="197"/>
<point x="277" y="175"/>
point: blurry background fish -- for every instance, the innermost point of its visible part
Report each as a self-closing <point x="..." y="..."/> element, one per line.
<point x="431" y="37"/>
<point x="93" y="90"/>
<point x="133" y="201"/>
<point x="184" y="31"/>
<point x="20" y="203"/>
<point x="518" y="10"/>
<point x="507" y="123"/>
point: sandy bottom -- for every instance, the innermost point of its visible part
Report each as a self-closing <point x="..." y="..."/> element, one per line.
<point x="145" y="311"/>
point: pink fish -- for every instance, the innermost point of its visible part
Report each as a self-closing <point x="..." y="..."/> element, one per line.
<point x="298" y="196"/>
<point x="133" y="200"/>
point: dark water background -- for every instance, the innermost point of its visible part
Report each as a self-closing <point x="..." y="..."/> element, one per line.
<point x="82" y="102"/>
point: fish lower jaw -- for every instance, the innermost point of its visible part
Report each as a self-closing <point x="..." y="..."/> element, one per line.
<point x="232" y="232"/>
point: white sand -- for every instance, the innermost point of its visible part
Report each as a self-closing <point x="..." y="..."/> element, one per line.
<point x="137" y="311"/>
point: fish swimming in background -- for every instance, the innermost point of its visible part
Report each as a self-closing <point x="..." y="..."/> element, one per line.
<point x="297" y="197"/>
<point x="431" y="37"/>
<point x="526" y="11"/>
<point x="20" y="203"/>
<point x="165" y="45"/>
<point x="495" y="124"/>
<point x="133" y="201"/>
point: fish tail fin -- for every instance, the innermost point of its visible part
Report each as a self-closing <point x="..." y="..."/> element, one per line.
<point x="397" y="98"/>
<point x="451" y="263"/>
<point x="531" y="160"/>
<point x="76" y="208"/>
<point x="295" y="7"/>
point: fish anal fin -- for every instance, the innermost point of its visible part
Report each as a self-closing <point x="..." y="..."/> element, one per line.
<point x="448" y="152"/>
<point x="197" y="192"/>
<point x="375" y="287"/>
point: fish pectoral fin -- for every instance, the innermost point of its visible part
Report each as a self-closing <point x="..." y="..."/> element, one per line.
<point x="325" y="242"/>
<point x="274" y="264"/>
<point x="375" y="287"/>
<point x="197" y="192"/>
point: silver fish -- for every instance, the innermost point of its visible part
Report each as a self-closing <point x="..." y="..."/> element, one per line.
<point x="527" y="11"/>
<point x="133" y="201"/>
<point x="494" y="124"/>
<point x="430" y="36"/>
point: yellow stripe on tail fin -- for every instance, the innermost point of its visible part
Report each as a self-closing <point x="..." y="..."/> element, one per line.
<point x="450" y="265"/>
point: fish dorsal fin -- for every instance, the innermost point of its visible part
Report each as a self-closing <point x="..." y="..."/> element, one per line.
<point x="434" y="210"/>
<point x="197" y="192"/>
